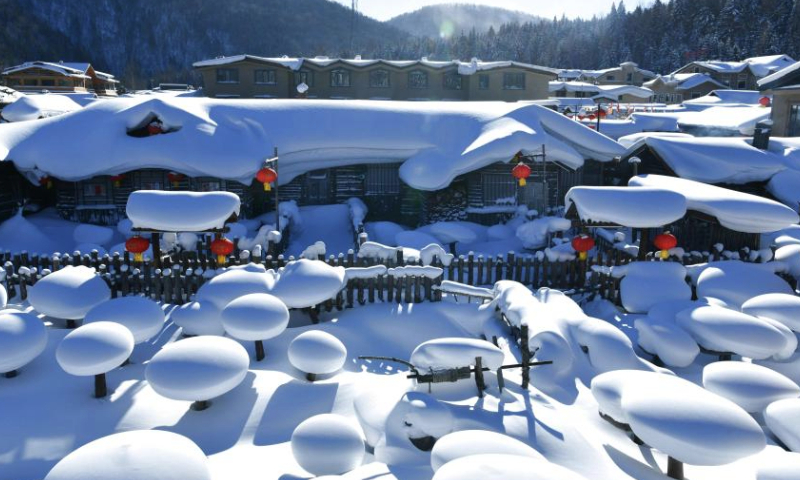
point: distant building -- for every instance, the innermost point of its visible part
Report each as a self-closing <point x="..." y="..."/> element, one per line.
<point x="677" y="87"/>
<point x="248" y="76"/>
<point x="601" y="93"/>
<point x="628" y="73"/>
<point x="60" y="77"/>
<point x="742" y="75"/>
<point x="785" y="89"/>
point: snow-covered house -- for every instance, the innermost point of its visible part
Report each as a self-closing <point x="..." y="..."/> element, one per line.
<point x="677" y="87"/>
<point x="600" y="93"/>
<point x="251" y="76"/>
<point x="627" y="73"/>
<point x="784" y="86"/>
<point x="64" y="77"/>
<point x="421" y="161"/>
<point x="741" y="75"/>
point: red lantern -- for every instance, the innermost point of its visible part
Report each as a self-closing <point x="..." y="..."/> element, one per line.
<point x="592" y="116"/>
<point x="46" y="181"/>
<point x="582" y="244"/>
<point x="117" y="179"/>
<point x="267" y="176"/>
<point x="154" y="128"/>
<point x="221" y="247"/>
<point x="602" y="113"/>
<point x="175" y="179"/>
<point x="521" y="172"/>
<point x="664" y="242"/>
<point x="137" y="246"/>
<point x="764" y="102"/>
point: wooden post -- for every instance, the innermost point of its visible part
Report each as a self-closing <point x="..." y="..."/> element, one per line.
<point x="674" y="469"/>
<point x="479" y="381"/>
<point x="259" y="350"/>
<point x="644" y="243"/>
<point x="277" y="200"/>
<point x="526" y="356"/>
<point x="470" y="268"/>
<point x="200" y="405"/>
<point x="100" y="389"/>
<point x="155" y="243"/>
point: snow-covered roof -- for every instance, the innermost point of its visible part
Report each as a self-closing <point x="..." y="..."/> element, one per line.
<point x="436" y="141"/>
<point x="684" y="81"/>
<point x="738" y="211"/>
<point x="32" y="107"/>
<point x="735" y="120"/>
<point x="296" y="63"/>
<point x="629" y="207"/>
<point x="64" y="69"/>
<point x="600" y="73"/>
<point x="713" y="159"/>
<point x="727" y="97"/>
<point x="636" y="140"/>
<point x="616" y="91"/>
<point x="760" y="66"/>
<point x="572" y="87"/>
<point x="776" y="78"/>
<point x="181" y="211"/>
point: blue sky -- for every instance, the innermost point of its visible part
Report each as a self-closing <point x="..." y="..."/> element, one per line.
<point x="385" y="9"/>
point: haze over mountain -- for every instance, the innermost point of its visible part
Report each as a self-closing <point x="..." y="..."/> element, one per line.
<point x="451" y="19"/>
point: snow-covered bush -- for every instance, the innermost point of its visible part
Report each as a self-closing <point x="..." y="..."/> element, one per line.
<point x="413" y="426"/>
<point x="750" y="386"/>
<point x="93" y="350"/>
<point x="198" y="318"/>
<point x="68" y="293"/>
<point x="85" y="233"/>
<point x="783" y="419"/>
<point x="23" y="337"/>
<point x="327" y="445"/>
<point x="736" y="282"/>
<point x="197" y="369"/>
<point x="648" y="283"/>
<point x="781" y="307"/>
<point x="3" y="292"/>
<point x="503" y="465"/>
<point x="663" y="338"/>
<point x="534" y="234"/>
<point x="456" y="352"/>
<point x="234" y="283"/>
<point x="476" y="442"/>
<point x="134" y="455"/>
<point x="254" y="318"/>
<point x="317" y="353"/>
<point x="306" y="283"/>
<point x="142" y="316"/>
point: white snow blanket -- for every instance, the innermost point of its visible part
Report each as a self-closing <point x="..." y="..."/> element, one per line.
<point x="135" y="455"/>
<point x="22" y="338"/>
<point x="736" y="282"/>
<point x="437" y="141"/>
<point x="783" y="418"/>
<point x="750" y="386"/>
<point x="785" y="186"/>
<point x="503" y="465"/>
<point x="630" y="207"/>
<point x="738" y="211"/>
<point x="33" y="107"/>
<point x="645" y="284"/>
<point x="456" y="352"/>
<point x="715" y="159"/>
<point x="740" y="120"/>
<point x="181" y="211"/>
<point x="69" y="293"/>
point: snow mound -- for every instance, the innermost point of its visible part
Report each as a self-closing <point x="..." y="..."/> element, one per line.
<point x="781" y="307"/>
<point x="135" y="455"/>
<point x="750" y="386"/>
<point x="790" y="255"/>
<point x="665" y="339"/>
<point x="317" y="352"/>
<point x="780" y="467"/>
<point x="234" y="283"/>
<point x="498" y="465"/>
<point x="68" y="293"/>
<point x="18" y="234"/>
<point x="630" y="207"/>
<point x="534" y="234"/>
<point x="327" y="445"/>
<point x="94" y="349"/>
<point x="456" y="352"/>
<point x="648" y="283"/>
<point x="257" y="316"/>
<point x="477" y="442"/>
<point x="305" y="283"/>
<point x="609" y="349"/>
<point x="415" y="239"/>
<point x="736" y="282"/>
<point x="198" y="368"/>
<point x="142" y="316"/>
<point x="181" y="211"/>
<point x="783" y="418"/>
<point x="451" y="232"/>
<point x="723" y="330"/>
<point x="198" y="318"/>
<point x="34" y="107"/>
<point x="23" y="337"/>
<point x="416" y="416"/>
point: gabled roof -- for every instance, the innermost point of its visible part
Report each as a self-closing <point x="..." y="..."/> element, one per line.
<point x="573" y="87"/>
<point x="760" y="66"/>
<point x="296" y="63"/>
<point x="727" y="97"/>
<point x="60" y="68"/>
<point x="781" y="78"/>
<point x="684" y="81"/>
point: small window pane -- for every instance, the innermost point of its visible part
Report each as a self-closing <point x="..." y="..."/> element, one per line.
<point x="452" y="81"/>
<point x="304" y="76"/>
<point x="379" y="78"/>
<point x="483" y="82"/>
<point x="94" y="191"/>
<point x="48" y="82"/>
<point x="417" y="79"/>
<point x="340" y="78"/>
<point x="265" y="77"/>
<point x="227" y="75"/>
<point x="514" y="81"/>
<point x="794" y="121"/>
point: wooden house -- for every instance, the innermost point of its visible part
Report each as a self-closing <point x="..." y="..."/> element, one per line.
<point x="62" y="77"/>
<point x="784" y="86"/>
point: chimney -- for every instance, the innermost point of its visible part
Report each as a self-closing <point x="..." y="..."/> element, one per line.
<point x="761" y="136"/>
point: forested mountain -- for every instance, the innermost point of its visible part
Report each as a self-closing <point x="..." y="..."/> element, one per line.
<point x="141" y="40"/>
<point x="452" y="19"/>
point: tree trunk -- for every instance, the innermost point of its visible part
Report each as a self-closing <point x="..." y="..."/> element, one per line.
<point x="259" y="350"/>
<point x="674" y="469"/>
<point x="100" y="389"/>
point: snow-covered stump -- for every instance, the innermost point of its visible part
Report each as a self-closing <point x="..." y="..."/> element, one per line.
<point x="317" y="353"/>
<point x="23" y="337"/>
<point x="255" y="318"/>
<point x="93" y="350"/>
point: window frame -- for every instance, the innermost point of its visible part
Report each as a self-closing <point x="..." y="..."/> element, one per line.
<point x="388" y="78"/>
<point x="232" y="72"/>
<point x="452" y="76"/>
<point x="484" y="81"/>
<point x="423" y="74"/>
<point x="507" y="84"/>
<point x="309" y="77"/>
<point x="343" y="76"/>
<point x="268" y="72"/>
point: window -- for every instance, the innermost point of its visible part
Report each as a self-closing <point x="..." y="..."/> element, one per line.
<point x="742" y="81"/>
<point x="417" y="79"/>
<point x="580" y="94"/>
<point x="451" y="81"/>
<point x="94" y="191"/>
<point x="483" y="82"/>
<point x="31" y="82"/>
<point x="379" y="78"/>
<point x="794" y="121"/>
<point x="265" y="77"/>
<point x="63" y="83"/>
<point x="340" y="78"/>
<point x="696" y="69"/>
<point x="513" y="81"/>
<point x="498" y="187"/>
<point x="561" y="93"/>
<point x="304" y="76"/>
<point x="630" y="78"/>
<point x="610" y="78"/>
<point x="227" y="75"/>
<point x="382" y="180"/>
<point x="48" y="82"/>
<point x="210" y="186"/>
